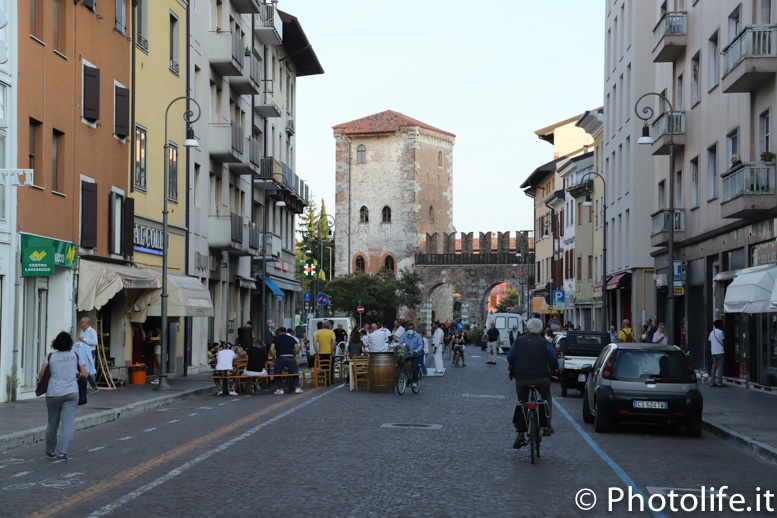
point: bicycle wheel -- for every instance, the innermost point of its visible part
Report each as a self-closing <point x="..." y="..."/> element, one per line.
<point x="417" y="387"/>
<point x="401" y="380"/>
<point x="538" y="438"/>
<point x="533" y="432"/>
<point x="446" y="352"/>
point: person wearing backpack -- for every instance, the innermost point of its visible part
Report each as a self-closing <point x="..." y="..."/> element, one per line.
<point x="627" y="333"/>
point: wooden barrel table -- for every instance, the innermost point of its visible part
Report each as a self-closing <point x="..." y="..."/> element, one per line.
<point x="382" y="372"/>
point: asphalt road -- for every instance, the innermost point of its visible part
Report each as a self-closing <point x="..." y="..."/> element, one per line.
<point x="329" y="452"/>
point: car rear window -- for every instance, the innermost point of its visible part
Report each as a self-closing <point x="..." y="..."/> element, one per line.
<point x="584" y="344"/>
<point x="661" y="366"/>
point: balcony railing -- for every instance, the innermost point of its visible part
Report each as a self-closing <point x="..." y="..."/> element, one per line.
<point x="237" y="137"/>
<point x="669" y="122"/>
<point x="756" y="41"/>
<point x="236" y="227"/>
<point x="268" y="104"/>
<point x="488" y="258"/>
<point x="671" y="24"/>
<point x="254" y="236"/>
<point x="663" y="218"/>
<point x="254" y="152"/>
<point x="751" y="178"/>
<point x="268" y="26"/>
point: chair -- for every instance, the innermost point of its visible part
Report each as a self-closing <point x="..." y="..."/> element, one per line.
<point x="242" y="384"/>
<point x="322" y="371"/>
<point x="361" y="367"/>
<point x="309" y="375"/>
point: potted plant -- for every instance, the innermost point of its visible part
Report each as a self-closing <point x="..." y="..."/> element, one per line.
<point x="767" y="156"/>
<point x="248" y="51"/>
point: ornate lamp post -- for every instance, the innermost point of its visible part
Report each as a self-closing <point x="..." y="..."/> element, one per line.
<point x="587" y="203"/>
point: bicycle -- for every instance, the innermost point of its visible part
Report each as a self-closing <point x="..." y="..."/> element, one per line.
<point x="404" y="374"/>
<point x="456" y="356"/>
<point x="447" y="350"/>
<point x="535" y="417"/>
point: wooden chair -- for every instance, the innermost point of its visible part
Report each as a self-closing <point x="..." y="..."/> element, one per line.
<point x="309" y="374"/>
<point x="243" y="385"/>
<point x="322" y="372"/>
<point x="361" y="367"/>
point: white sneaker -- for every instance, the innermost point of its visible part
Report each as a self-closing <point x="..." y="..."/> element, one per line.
<point x="232" y="393"/>
<point x="298" y="390"/>
<point x="155" y="382"/>
<point x="415" y="385"/>
<point x="279" y="392"/>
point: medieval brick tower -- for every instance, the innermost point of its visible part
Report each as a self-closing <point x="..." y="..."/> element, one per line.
<point x="393" y="186"/>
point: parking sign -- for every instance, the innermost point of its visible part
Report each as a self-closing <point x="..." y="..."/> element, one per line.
<point x="558" y="296"/>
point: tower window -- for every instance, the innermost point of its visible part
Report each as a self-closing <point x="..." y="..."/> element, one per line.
<point x="389" y="263"/>
<point x="386" y="214"/>
<point x="439" y="158"/>
<point x="431" y="214"/>
<point x="364" y="215"/>
<point x="359" y="264"/>
<point x="361" y="155"/>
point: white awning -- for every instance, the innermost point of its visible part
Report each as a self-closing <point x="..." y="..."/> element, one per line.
<point x="186" y="297"/>
<point x="751" y="290"/>
<point x="246" y="282"/>
<point x="100" y="282"/>
<point x="726" y="276"/>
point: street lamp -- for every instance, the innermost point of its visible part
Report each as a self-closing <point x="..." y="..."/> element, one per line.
<point x="330" y="224"/>
<point x="645" y="139"/>
<point x="190" y="118"/>
<point x="588" y="203"/>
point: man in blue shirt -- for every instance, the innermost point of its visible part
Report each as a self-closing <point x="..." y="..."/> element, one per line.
<point x="416" y="345"/>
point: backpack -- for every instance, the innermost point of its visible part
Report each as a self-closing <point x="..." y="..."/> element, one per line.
<point x="629" y="337"/>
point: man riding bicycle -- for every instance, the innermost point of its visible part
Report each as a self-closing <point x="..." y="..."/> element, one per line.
<point x="416" y="344"/>
<point x="531" y="361"/>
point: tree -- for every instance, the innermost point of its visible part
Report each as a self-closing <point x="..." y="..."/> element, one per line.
<point x="511" y="299"/>
<point x="380" y="293"/>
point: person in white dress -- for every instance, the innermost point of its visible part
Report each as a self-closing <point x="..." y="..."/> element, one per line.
<point x="437" y="347"/>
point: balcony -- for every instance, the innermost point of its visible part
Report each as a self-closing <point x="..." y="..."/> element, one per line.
<point x="246" y="6"/>
<point x="274" y="245"/>
<point x="250" y="166"/>
<point x="670" y="36"/>
<point x="270" y="170"/>
<point x="665" y="124"/>
<point x="226" y="53"/>
<point x="268" y="26"/>
<point x="226" y="233"/>
<point x="290" y="127"/>
<point x="748" y="190"/>
<point x="268" y="103"/>
<point x="225" y="143"/>
<point x="250" y="81"/>
<point x="750" y="61"/>
<point x="659" y="235"/>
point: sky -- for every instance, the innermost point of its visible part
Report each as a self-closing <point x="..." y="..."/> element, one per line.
<point x="492" y="72"/>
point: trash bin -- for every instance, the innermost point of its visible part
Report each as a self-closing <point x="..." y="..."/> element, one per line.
<point x="137" y="373"/>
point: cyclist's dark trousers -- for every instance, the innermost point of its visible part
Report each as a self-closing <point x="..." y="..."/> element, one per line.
<point x="543" y="386"/>
<point x="416" y="366"/>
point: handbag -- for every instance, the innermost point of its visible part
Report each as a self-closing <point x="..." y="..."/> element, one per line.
<point x="43" y="382"/>
<point x="81" y="390"/>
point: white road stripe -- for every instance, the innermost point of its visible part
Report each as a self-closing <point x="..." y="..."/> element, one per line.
<point x="97" y="449"/>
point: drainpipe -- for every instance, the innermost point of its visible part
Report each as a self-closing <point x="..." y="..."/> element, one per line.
<point x="187" y="328"/>
<point x="132" y="98"/>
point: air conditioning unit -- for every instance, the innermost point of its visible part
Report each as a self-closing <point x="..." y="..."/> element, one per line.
<point x="290" y="126"/>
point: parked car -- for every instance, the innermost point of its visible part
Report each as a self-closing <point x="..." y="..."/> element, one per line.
<point x="642" y="382"/>
<point x="577" y="349"/>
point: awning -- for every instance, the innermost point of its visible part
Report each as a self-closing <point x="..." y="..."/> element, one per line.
<point x="616" y="281"/>
<point x="598" y="285"/>
<point x="186" y="297"/>
<point x="726" y="276"/>
<point x="100" y="282"/>
<point x="246" y="282"/>
<point x="751" y="290"/>
<point x="286" y="284"/>
<point x="277" y="293"/>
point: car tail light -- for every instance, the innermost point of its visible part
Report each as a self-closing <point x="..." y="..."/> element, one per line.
<point x="531" y="406"/>
<point x="691" y="371"/>
<point x="607" y="369"/>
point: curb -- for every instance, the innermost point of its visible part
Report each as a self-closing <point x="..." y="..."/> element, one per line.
<point x="33" y="435"/>
<point x="744" y="442"/>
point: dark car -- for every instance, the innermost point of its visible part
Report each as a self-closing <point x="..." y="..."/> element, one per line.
<point x="641" y="382"/>
<point x="579" y="348"/>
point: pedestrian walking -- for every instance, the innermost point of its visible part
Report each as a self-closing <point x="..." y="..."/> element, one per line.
<point x="438" y="340"/>
<point x="89" y="336"/>
<point x="718" y="353"/>
<point x="424" y="352"/>
<point x="64" y="367"/>
<point x="659" y="337"/>
<point x="82" y="350"/>
<point x="514" y="334"/>
<point x="613" y="335"/>
<point x="651" y="329"/>
<point x="493" y="343"/>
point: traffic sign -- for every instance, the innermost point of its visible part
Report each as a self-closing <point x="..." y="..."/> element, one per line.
<point x="461" y="325"/>
<point x="323" y="299"/>
<point x="553" y="323"/>
<point x="558" y="306"/>
<point x="558" y="296"/>
<point x="509" y="308"/>
<point x="306" y="296"/>
<point x="360" y="309"/>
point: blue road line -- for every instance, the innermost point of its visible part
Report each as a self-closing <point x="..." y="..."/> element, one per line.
<point x="606" y="458"/>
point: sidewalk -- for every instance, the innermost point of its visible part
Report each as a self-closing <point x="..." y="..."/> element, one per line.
<point x="24" y="422"/>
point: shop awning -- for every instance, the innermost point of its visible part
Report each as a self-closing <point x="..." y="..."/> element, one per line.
<point x="246" y="282"/>
<point x="751" y="290"/>
<point x="186" y="297"/>
<point x="616" y="281"/>
<point x="286" y="284"/>
<point x="599" y="284"/>
<point x="277" y="293"/>
<point x="100" y="282"/>
<point x="726" y="276"/>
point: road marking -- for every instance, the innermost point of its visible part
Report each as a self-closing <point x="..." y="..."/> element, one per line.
<point x="141" y="469"/>
<point x="97" y="449"/>
<point x="193" y="414"/>
<point x="149" y="430"/>
<point x="173" y="421"/>
<point x="412" y="426"/>
<point x="21" y="474"/>
<point x="491" y="396"/>
<point x="126" y="438"/>
<point x="606" y="458"/>
<point x="9" y="462"/>
<point x="70" y="479"/>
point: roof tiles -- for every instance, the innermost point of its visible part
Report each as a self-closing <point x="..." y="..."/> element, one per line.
<point x="387" y="121"/>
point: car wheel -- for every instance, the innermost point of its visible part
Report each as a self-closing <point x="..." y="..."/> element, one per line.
<point x="587" y="415"/>
<point x="602" y="423"/>
<point x="693" y="428"/>
<point x="563" y="390"/>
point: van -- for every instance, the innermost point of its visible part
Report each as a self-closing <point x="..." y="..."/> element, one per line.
<point x="504" y="323"/>
<point x="348" y="325"/>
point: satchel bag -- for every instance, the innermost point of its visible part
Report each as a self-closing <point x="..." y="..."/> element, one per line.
<point x="43" y="383"/>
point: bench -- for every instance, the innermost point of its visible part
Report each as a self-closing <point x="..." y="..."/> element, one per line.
<point x="289" y="385"/>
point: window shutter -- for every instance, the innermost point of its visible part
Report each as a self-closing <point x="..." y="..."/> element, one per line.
<point x="33" y="126"/>
<point x="128" y="240"/>
<point x="89" y="4"/>
<point x="121" y="116"/>
<point x="91" y="93"/>
<point x="56" y="24"/>
<point x="88" y="214"/>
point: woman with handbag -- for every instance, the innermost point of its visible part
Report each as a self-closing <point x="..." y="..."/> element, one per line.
<point x="62" y="397"/>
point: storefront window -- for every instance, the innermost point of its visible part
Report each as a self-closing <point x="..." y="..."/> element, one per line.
<point x="770" y="354"/>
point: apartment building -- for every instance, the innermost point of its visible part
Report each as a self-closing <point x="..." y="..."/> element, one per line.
<point x="716" y="63"/>
<point x="627" y="75"/>
<point x="243" y="194"/>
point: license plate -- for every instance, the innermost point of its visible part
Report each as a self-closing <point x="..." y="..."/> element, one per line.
<point x="581" y="378"/>
<point x="661" y="405"/>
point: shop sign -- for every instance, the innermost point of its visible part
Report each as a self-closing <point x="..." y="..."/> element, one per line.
<point x="148" y="240"/>
<point x="41" y="254"/>
<point x="763" y="253"/>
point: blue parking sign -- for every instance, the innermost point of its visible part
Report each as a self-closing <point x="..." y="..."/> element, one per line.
<point x="558" y="296"/>
<point x="306" y="296"/>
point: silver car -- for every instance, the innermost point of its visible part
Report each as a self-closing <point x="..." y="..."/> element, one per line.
<point x="641" y="382"/>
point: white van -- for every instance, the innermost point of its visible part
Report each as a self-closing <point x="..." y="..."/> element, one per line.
<point x="348" y="325"/>
<point x="504" y="323"/>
